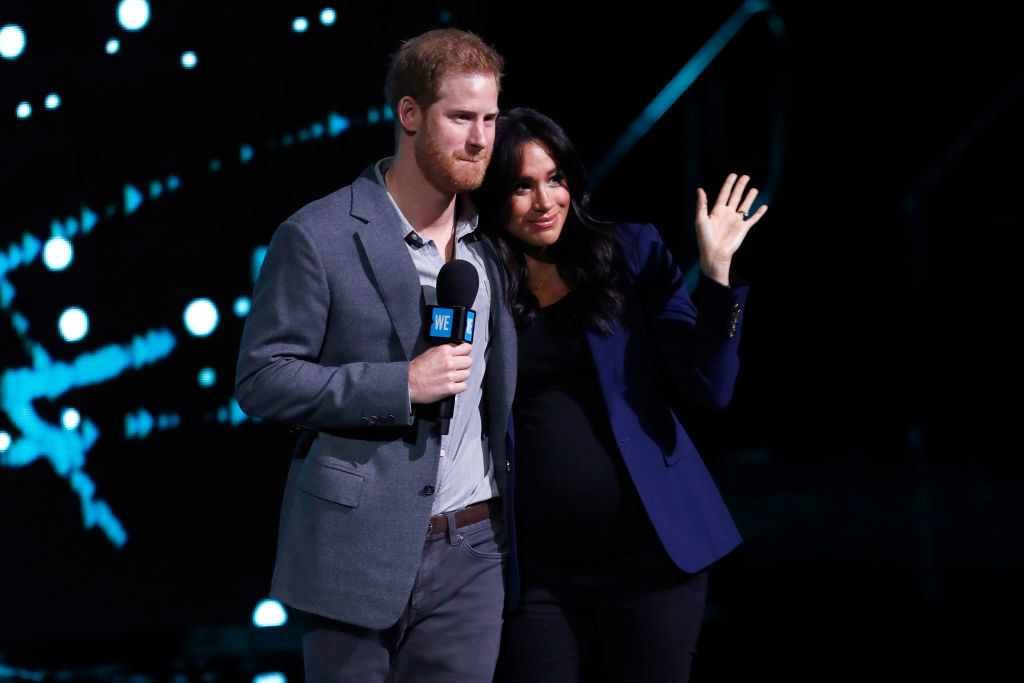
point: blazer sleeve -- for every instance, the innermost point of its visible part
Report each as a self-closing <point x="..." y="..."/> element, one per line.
<point x="279" y="376"/>
<point x="697" y="338"/>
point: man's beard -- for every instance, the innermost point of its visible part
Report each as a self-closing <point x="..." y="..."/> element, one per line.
<point x="444" y="171"/>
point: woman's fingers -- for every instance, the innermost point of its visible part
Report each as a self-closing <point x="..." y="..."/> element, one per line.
<point x="761" y="210"/>
<point x="748" y="201"/>
<point x="732" y="200"/>
<point x="737" y="192"/>
<point x="723" y="195"/>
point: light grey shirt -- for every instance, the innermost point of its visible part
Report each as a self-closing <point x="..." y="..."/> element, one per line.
<point x="465" y="473"/>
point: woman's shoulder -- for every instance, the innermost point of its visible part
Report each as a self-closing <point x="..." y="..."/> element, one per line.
<point x="637" y="241"/>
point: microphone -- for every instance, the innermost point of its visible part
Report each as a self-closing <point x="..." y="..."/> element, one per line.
<point x="452" y="319"/>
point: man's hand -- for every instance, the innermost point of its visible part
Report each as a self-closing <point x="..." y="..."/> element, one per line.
<point x="439" y="372"/>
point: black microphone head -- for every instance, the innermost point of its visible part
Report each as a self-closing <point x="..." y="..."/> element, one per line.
<point x="457" y="283"/>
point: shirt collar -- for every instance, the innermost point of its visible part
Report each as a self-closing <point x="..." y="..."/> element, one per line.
<point x="466" y="220"/>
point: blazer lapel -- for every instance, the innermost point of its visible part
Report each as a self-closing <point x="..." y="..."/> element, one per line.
<point x="502" y="351"/>
<point x="393" y="269"/>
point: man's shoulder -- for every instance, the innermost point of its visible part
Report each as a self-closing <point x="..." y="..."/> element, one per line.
<point x="344" y="209"/>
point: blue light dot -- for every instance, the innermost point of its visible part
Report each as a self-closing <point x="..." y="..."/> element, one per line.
<point x="52" y="101"/>
<point x="270" y="677"/>
<point x="12" y="41"/>
<point x="446" y="17"/>
<point x="300" y="24"/>
<point x="70" y="418"/>
<point x="57" y="253"/>
<point x="328" y="16"/>
<point x="89" y="219"/>
<point x="258" y="254"/>
<point x="173" y="183"/>
<point x="373" y="116"/>
<point x="24" y="110"/>
<point x="189" y="59"/>
<point x="132" y="199"/>
<point x="133" y="14"/>
<point x="269" y="613"/>
<point x="201" y="317"/>
<point x="241" y="306"/>
<point x="336" y="124"/>
<point x="215" y="165"/>
<point x="207" y="377"/>
<point x="19" y="321"/>
<point x="73" y="324"/>
<point x="5" y="441"/>
<point x="246" y="153"/>
<point x="113" y="45"/>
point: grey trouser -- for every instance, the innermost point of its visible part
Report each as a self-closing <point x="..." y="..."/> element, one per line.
<point x="449" y="631"/>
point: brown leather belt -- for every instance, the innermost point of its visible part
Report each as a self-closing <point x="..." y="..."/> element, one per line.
<point x="477" y="512"/>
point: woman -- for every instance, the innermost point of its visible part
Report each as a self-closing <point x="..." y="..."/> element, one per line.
<point x="614" y="517"/>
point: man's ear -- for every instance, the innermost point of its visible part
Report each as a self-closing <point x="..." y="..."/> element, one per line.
<point x="410" y="116"/>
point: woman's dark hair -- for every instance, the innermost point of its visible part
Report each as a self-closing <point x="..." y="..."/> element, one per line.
<point x="585" y="254"/>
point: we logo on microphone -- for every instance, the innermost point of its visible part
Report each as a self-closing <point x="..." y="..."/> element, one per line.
<point x="451" y="324"/>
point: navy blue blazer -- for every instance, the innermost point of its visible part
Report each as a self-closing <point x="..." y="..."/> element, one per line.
<point x="663" y="336"/>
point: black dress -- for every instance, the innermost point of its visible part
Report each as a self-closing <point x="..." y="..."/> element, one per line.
<point x="580" y="523"/>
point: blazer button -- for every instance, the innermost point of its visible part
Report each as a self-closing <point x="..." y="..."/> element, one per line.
<point x="428" y="490"/>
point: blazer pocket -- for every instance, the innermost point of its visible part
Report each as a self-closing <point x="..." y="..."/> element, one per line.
<point x="338" y="486"/>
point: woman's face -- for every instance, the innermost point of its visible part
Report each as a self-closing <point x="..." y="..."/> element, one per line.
<point x="540" y="199"/>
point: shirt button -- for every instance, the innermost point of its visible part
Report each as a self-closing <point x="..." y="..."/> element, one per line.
<point x="508" y="465"/>
<point x="428" y="490"/>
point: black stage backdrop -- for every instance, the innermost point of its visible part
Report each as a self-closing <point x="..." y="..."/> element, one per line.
<point x="871" y="454"/>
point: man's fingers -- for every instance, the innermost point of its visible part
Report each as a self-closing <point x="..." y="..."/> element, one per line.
<point x="702" y="203"/>
<point x="457" y="360"/>
<point x="462" y="349"/>
<point x="439" y="371"/>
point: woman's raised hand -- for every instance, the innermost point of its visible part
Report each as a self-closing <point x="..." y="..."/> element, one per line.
<point x="721" y="230"/>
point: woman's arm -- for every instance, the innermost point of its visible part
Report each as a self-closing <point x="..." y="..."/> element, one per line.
<point x="698" y="337"/>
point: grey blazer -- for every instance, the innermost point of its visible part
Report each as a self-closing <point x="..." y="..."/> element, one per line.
<point x="335" y="319"/>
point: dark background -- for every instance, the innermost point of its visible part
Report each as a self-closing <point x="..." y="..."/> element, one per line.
<point x="871" y="455"/>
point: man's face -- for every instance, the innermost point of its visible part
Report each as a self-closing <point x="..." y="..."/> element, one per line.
<point x="453" y="145"/>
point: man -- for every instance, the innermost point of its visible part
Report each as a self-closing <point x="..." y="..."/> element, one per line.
<point x="391" y="541"/>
